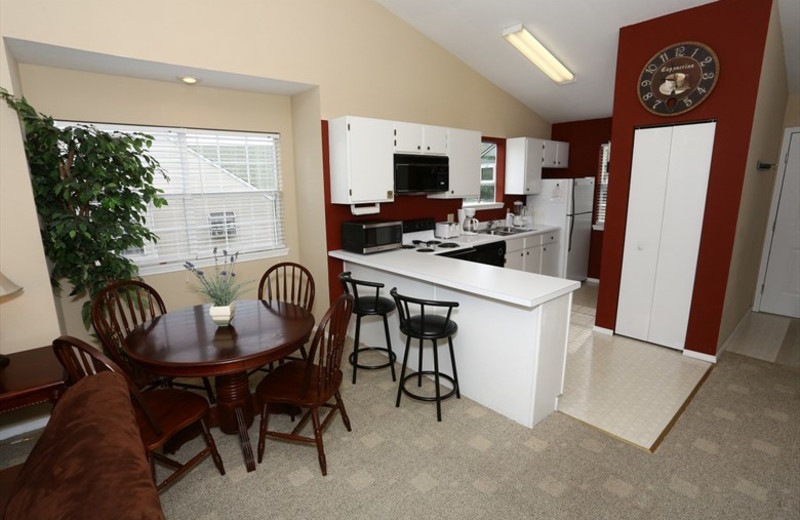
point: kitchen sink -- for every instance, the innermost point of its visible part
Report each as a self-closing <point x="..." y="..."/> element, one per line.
<point x="504" y="231"/>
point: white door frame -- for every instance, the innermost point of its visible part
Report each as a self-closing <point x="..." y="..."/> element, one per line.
<point x="773" y="212"/>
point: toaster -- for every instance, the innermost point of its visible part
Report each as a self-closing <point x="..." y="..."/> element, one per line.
<point x="446" y="230"/>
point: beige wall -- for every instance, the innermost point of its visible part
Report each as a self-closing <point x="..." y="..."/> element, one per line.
<point x="28" y="319"/>
<point x="364" y="60"/>
<point x="765" y="142"/>
<point x="792" y="116"/>
<point x="114" y="99"/>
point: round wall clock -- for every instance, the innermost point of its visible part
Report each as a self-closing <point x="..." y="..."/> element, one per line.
<point x="678" y="78"/>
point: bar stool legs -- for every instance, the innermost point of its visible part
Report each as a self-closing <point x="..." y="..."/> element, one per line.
<point x="388" y="349"/>
<point x="436" y="373"/>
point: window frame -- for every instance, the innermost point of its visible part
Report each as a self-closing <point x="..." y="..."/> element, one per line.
<point x="147" y="259"/>
<point x="499" y="171"/>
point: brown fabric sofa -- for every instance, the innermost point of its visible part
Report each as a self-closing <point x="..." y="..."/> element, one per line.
<point x="89" y="463"/>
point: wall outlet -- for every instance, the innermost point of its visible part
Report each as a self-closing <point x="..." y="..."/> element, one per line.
<point x="450" y="217"/>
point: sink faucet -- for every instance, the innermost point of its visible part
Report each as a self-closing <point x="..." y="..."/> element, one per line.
<point x="489" y="225"/>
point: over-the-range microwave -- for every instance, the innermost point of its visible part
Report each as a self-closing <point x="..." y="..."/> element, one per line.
<point x="371" y="236"/>
<point x="421" y="173"/>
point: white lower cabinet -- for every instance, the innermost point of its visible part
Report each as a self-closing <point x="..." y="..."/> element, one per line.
<point x="550" y="254"/>
<point x="534" y="254"/>
<point x="669" y="180"/>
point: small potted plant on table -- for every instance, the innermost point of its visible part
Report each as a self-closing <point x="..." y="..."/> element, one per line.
<point x="221" y="286"/>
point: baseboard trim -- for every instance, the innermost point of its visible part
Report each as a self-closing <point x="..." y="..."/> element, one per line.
<point x="22" y="427"/>
<point x="603" y="330"/>
<point x="700" y="356"/>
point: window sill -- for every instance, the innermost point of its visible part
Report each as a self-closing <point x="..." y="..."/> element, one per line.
<point x="173" y="267"/>
<point x="485" y="205"/>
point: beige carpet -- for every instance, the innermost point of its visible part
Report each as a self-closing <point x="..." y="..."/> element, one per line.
<point x="733" y="454"/>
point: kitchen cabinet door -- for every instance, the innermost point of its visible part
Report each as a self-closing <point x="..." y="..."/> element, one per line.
<point x="533" y="260"/>
<point x="515" y="255"/>
<point x="550" y="257"/>
<point x="669" y="179"/>
<point x="555" y="154"/>
<point x="361" y="160"/>
<point x="515" y="260"/>
<point x="524" y="157"/>
<point x="416" y="138"/>
<point x="464" y="156"/>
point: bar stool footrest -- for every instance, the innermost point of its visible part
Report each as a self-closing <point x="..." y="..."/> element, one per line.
<point x="392" y="358"/>
<point x="423" y="397"/>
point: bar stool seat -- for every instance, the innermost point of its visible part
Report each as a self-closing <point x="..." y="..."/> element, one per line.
<point x="427" y="326"/>
<point x="369" y="306"/>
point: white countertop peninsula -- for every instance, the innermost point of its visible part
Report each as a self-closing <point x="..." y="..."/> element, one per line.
<point x="512" y="326"/>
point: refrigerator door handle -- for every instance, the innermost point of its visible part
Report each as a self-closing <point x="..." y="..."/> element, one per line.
<point x="571" y="223"/>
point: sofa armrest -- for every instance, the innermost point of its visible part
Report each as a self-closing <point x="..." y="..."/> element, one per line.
<point x="90" y="461"/>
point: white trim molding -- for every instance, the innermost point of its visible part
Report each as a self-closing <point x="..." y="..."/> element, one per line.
<point x="700" y="356"/>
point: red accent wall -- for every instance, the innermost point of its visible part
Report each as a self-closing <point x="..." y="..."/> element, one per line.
<point x="584" y="138"/>
<point x="404" y="207"/>
<point x="736" y="30"/>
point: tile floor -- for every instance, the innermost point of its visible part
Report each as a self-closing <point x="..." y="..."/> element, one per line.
<point x="627" y="388"/>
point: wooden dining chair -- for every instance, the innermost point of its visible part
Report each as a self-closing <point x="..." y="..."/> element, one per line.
<point x="118" y="309"/>
<point x="309" y="384"/>
<point x="160" y="413"/>
<point x="288" y="282"/>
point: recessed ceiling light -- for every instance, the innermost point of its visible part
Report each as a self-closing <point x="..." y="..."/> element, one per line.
<point x="189" y="80"/>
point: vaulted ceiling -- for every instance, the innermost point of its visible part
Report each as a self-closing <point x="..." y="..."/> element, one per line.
<point x="582" y="34"/>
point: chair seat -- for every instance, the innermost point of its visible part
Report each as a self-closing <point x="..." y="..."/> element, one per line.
<point x="283" y="385"/>
<point x="173" y="409"/>
<point x="370" y="305"/>
<point x="435" y="327"/>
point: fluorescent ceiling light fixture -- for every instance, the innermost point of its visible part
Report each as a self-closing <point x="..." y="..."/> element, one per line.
<point x="189" y="80"/>
<point x="527" y="44"/>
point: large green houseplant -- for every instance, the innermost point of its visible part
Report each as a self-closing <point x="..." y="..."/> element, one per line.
<point x="92" y="189"/>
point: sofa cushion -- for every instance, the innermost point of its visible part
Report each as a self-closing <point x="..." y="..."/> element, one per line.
<point x="90" y="460"/>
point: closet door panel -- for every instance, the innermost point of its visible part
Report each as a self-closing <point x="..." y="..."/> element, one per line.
<point x="651" y="155"/>
<point x="684" y="207"/>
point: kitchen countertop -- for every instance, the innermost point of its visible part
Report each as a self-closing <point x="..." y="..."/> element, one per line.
<point x="483" y="238"/>
<point x="505" y="285"/>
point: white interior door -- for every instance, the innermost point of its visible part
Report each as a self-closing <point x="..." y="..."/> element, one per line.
<point x="780" y="292"/>
<point x="651" y="150"/>
<point x="684" y="208"/>
<point x="666" y="206"/>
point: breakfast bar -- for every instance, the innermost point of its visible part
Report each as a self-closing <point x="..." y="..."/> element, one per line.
<point x="512" y="338"/>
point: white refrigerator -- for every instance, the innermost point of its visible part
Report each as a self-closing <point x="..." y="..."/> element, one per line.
<point x="568" y="204"/>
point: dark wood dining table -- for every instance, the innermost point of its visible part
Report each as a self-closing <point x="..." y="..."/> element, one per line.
<point x="186" y="343"/>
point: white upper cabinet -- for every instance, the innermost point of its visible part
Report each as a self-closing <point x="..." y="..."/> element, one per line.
<point x="416" y="138"/>
<point x="524" y="166"/>
<point x="525" y="158"/>
<point x="361" y="160"/>
<point x="464" y="158"/>
<point x="556" y="154"/>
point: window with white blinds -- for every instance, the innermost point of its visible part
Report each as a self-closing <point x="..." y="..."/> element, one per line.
<point x="223" y="191"/>
<point x="605" y="159"/>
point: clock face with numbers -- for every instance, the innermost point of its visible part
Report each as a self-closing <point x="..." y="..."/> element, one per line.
<point x="678" y="78"/>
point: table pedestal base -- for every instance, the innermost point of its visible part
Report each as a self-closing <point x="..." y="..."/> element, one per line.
<point x="234" y="411"/>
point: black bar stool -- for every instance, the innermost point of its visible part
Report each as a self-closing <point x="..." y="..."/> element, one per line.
<point x="426" y="326"/>
<point x="369" y="306"/>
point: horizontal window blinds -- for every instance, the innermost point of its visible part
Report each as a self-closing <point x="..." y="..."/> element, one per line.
<point x="605" y="158"/>
<point x="223" y="191"/>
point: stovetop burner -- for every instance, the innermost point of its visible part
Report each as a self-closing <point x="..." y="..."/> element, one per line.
<point x="433" y="242"/>
<point x="424" y="250"/>
<point x="409" y="246"/>
<point x="448" y="245"/>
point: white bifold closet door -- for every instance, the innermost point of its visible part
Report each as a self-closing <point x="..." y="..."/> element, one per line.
<point x="669" y="181"/>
